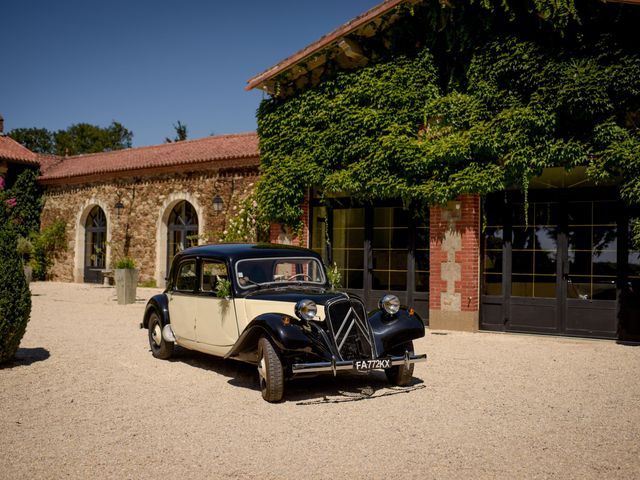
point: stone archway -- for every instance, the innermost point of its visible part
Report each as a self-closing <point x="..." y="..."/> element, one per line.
<point x="95" y="236"/>
<point x="182" y="227"/>
<point x="162" y="230"/>
<point x="80" y="251"/>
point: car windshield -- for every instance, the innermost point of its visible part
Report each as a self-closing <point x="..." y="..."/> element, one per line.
<point x="262" y="271"/>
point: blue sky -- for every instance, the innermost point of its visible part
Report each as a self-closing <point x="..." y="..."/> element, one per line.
<point x="148" y="64"/>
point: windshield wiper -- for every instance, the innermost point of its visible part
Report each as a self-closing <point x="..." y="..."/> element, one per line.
<point x="248" y="280"/>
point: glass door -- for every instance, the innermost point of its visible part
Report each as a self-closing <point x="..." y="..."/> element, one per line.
<point x="378" y="249"/>
<point x="95" y="245"/>
<point x="557" y="268"/>
<point x="591" y="268"/>
<point x="534" y="268"/>
<point x="388" y="267"/>
<point x="348" y="247"/>
<point x="182" y="230"/>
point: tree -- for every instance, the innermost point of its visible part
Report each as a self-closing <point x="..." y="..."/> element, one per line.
<point x="25" y="215"/>
<point x="76" y="139"/>
<point x="15" y="297"/>
<point x="87" y="138"/>
<point x="38" y="140"/>
<point x="181" y="133"/>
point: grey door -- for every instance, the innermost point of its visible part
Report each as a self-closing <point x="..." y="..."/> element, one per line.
<point x="554" y="269"/>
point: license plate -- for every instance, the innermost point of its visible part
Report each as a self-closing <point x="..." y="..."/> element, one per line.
<point x="365" y="365"/>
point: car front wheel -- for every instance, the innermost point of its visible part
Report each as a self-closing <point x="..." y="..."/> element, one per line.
<point x="160" y="348"/>
<point x="401" y="375"/>
<point x="270" y="371"/>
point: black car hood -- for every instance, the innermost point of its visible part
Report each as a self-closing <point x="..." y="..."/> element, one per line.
<point x="293" y="295"/>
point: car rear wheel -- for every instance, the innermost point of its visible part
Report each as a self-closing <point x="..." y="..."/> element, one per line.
<point x="401" y="375"/>
<point x="270" y="371"/>
<point x="160" y="348"/>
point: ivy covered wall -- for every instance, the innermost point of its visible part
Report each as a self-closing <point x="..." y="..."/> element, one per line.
<point x="461" y="97"/>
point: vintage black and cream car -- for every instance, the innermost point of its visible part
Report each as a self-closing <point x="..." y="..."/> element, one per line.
<point x="272" y="306"/>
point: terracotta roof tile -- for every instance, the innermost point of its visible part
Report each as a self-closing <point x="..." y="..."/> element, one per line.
<point x="47" y="162"/>
<point x="12" y="150"/>
<point x="223" y="148"/>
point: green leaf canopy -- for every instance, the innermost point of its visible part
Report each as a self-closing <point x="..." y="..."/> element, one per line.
<point x="483" y="102"/>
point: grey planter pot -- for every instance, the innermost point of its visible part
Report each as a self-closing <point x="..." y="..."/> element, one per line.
<point x="126" y="285"/>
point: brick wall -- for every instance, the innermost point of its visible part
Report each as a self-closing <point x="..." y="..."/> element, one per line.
<point x="455" y="263"/>
<point x="283" y="234"/>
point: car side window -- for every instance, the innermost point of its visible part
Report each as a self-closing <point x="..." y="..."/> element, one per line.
<point x="212" y="272"/>
<point x="186" y="278"/>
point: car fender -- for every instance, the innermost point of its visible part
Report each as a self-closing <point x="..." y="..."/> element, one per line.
<point x="288" y="334"/>
<point x="159" y="303"/>
<point x="393" y="331"/>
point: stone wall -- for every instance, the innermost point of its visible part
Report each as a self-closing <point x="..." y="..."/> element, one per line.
<point x="139" y="230"/>
<point x="455" y="265"/>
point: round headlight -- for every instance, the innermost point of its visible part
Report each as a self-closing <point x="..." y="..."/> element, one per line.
<point x="390" y="304"/>
<point x="306" y="309"/>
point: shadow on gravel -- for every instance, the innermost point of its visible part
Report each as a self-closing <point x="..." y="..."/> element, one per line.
<point x="245" y="374"/>
<point x="304" y="391"/>
<point x="352" y="387"/>
<point x="27" y="356"/>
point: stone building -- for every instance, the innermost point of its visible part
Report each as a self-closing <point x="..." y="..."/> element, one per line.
<point x="145" y="203"/>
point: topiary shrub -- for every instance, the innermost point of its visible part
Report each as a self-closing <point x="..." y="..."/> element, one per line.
<point x="15" y="297"/>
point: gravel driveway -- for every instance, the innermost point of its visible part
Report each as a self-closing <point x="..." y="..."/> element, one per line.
<point x="85" y="399"/>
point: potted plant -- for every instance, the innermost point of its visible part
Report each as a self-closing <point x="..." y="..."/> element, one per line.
<point x="126" y="276"/>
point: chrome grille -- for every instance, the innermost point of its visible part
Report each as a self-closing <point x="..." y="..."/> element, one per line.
<point x="349" y="329"/>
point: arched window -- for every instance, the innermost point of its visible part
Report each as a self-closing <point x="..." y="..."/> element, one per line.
<point x="95" y="237"/>
<point x="182" y="228"/>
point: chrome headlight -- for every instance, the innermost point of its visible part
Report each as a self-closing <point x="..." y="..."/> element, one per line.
<point x="390" y="304"/>
<point x="306" y="309"/>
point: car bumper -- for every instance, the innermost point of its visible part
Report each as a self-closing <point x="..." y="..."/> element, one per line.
<point x="341" y="365"/>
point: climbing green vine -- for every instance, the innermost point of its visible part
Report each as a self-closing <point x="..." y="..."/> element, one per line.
<point x="485" y="100"/>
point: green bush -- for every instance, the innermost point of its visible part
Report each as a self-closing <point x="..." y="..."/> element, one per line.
<point x="24" y="248"/>
<point x="46" y="244"/>
<point x="15" y="297"/>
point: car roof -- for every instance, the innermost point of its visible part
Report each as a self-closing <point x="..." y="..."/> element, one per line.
<point x="239" y="251"/>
